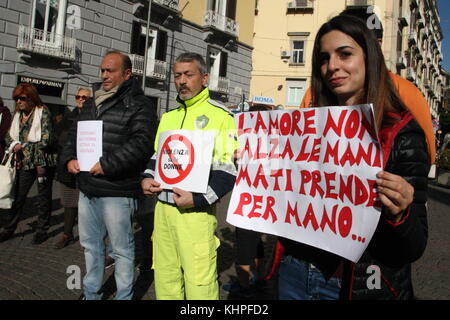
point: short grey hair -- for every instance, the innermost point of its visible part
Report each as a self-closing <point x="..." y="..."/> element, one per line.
<point x="192" y="56"/>
<point x="85" y="89"/>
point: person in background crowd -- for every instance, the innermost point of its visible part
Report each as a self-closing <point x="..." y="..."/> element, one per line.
<point x="5" y="123"/>
<point x="67" y="181"/>
<point x="349" y="69"/>
<point x="31" y="138"/>
<point x="109" y="191"/>
<point x="184" y="244"/>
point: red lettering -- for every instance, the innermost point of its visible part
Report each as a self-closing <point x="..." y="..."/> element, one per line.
<point x="276" y="174"/>
<point x="347" y="156"/>
<point x="274" y="143"/>
<point x="307" y="115"/>
<point x="316" y="178"/>
<point x="362" y="154"/>
<point x="256" y="201"/>
<point x="345" y="189"/>
<point x="269" y="210"/>
<point x="260" y="125"/>
<point x="315" y="153"/>
<point x="288" y="180"/>
<point x="296" y="115"/>
<point x="243" y="174"/>
<point x="302" y="154"/>
<point x="285" y="124"/>
<point x="345" y="221"/>
<point x="292" y="212"/>
<point x="327" y="222"/>
<point x="330" y="124"/>
<point x="259" y="154"/>
<point x="260" y="177"/>
<point x="305" y="178"/>
<point x="352" y="124"/>
<point x="361" y="193"/>
<point x="244" y="200"/>
<point x="273" y="124"/>
<point x="328" y="178"/>
<point x="287" y="150"/>
<point x="333" y="152"/>
<point x="310" y="217"/>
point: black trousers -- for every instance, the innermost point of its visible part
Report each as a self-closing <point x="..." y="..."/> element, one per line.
<point x="24" y="182"/>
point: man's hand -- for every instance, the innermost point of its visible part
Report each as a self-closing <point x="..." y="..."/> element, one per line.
<point x="150" y="187"/>
<point x="97" y="170"/>
<point x="73" y="167"/>
<point x="183" y="199"/>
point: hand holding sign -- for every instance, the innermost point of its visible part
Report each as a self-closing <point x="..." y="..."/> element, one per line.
<point x="150" y="187"/>
<point x="396" y="194"/>
<point x="183" y="199"/>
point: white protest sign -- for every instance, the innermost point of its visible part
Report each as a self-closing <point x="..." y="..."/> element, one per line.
<point x="184" y="159"/>
<point x="89" y="143"/>
<point x="309" y="175"/>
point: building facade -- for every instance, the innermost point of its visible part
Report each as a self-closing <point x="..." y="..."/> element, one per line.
<point x="283" y="48"/>
<point x="58" y="44"/>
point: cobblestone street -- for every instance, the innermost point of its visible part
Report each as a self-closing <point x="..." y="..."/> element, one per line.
<point x="30" y="272"/>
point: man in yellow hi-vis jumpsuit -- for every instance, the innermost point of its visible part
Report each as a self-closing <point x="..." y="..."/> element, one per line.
<point x="184" y="244"/>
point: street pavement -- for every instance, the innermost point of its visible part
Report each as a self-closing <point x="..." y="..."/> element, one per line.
<point x="29" y="272"/>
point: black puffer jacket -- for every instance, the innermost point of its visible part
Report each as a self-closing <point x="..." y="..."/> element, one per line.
<point x="394" y="247"/>
<point x="129" y="128"/>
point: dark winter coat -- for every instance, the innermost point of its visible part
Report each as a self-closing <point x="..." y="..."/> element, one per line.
<point x="394" y="246"/>
<point x="129" y="127"/>
<point x="4" y="128"/>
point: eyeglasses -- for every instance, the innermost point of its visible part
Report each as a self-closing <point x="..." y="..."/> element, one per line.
<point x="77" y="97"/>
<point x="21" y="98"/>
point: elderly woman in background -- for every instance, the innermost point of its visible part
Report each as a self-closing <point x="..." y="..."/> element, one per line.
<point x="5" y="122"/>
<point x="68" y="188"/>
<point x="31" y="138"/>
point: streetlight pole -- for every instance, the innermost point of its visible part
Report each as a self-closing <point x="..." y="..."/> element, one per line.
<point x="144" y="76"/>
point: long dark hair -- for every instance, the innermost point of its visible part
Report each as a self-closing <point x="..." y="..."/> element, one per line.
<point x="378" y="87"/>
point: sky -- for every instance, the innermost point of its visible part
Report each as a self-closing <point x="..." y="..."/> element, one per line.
<point x="444" y="14"/>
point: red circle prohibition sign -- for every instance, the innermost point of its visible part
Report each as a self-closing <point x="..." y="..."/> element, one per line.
<point x="182" y="173"/>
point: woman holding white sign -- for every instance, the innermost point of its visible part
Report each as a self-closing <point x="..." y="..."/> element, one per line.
<point x="349" y="69"/>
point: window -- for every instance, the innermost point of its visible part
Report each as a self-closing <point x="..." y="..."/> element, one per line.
<point x="298" y="51"/>
<point x="298" y="42"/>
<point x="49" y="16"/>
<point x="217" y="68"/>
<point x="225" y="8"/>
<point x="295" y="92"/>
<point x="157" y="42"/>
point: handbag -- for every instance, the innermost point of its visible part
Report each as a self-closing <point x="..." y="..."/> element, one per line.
<point x="7" y="179"/>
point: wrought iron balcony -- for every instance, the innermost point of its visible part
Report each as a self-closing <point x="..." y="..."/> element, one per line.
<point x="411" y="74"/>
<point x="359" y="3"/>
<point x="220" y="22"/>
<point x="155" y="68"/>
<point x="172" y="4"/>
<point x="219" y="84"/>
<point x="300" y="4"/>
<point x="46" y="43"/>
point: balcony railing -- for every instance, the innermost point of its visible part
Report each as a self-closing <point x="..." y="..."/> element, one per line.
<point x="155" y="68"/>
<point x="219" y="84"/>
<point x="300" y="4"/>
<point x="401" y="60"/>
<point x="411" y="74"/>
<point x="405" y="16"/>
<point x="46" y="43"/>
<point x="220" y="22"/>
<point x="172" y="4"/>
<point x="359" y="3"/>
<point x="413" y="37"/>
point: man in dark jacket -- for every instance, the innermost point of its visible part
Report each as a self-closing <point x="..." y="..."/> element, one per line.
<point x="109" y="191"/>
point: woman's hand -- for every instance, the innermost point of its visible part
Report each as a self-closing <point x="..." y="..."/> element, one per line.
<point x="395" y="193"/>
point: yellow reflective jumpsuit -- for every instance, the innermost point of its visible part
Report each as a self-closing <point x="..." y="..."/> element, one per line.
<point x="184" y="244"/>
